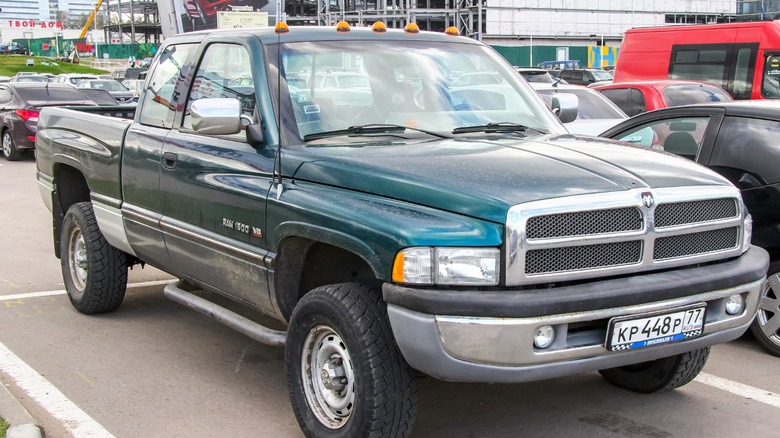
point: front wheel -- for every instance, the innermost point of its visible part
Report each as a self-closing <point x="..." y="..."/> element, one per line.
<point x="9" y="148"/>
<point x="766" y="325"/>
<point x="345" y="374"/>
<point x="95" y="273"/>
<point x="659" y="375"/>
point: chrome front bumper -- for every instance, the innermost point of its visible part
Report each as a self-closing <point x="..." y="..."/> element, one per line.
<point x="501" y="349"/>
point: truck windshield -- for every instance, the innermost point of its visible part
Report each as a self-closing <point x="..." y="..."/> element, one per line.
<point x="436" y="87"/>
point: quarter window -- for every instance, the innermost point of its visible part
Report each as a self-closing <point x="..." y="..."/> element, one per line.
<point x="748" y="151"/>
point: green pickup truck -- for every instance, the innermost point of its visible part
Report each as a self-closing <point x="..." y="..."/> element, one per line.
<point x="391" y="223"/>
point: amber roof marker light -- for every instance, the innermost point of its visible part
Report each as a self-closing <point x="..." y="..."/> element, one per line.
<point x="412" y="28"/>
<point x="452" y="31"/>
<point x="379" y="27"/>
<point x="281" y="27"/>
<point x="342" y="26"/>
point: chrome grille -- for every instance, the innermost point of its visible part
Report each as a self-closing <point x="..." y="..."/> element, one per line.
<point x="573" y="258"/>
<point x="695" y="243"/>
<point x="584" y="222"/>
<point x="667" y="215"/>
<point x="603" y="234"/>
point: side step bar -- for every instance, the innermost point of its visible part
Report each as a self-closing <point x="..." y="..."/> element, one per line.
<point x="231" y="319"/>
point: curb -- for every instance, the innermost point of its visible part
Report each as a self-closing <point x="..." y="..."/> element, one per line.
<point x="22" y="423"/>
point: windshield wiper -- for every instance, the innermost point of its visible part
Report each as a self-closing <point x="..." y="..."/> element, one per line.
<point x="375" y="128"/>
<point x="496" y="127"/>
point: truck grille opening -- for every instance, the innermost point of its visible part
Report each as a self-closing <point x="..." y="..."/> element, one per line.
<point x="584" y="223"/>
<point x="691" y="212"/>
<point x="572" y="258"/>
<point x="695" y="243"/>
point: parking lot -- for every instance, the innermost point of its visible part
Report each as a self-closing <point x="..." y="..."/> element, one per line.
<point x="157" y="369"/>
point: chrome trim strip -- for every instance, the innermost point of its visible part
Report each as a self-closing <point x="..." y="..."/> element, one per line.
<point x="111" y="224"/>
<point x="141" y="216"/>
<point x="518" y="245"/>
<point x="206" y="238"/>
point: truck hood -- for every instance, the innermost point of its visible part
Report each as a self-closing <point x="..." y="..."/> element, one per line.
<point x="484" y="178"/>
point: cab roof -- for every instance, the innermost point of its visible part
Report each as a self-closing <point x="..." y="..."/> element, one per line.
<point x="268" y="35"/>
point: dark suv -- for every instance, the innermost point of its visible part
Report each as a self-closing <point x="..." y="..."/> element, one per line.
<point x="739" y="141"/>
<point x="585" y="76"/>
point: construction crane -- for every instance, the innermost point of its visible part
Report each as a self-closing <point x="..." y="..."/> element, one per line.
<point x="91" y="18"/>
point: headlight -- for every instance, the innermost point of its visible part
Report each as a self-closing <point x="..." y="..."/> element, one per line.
<point x="747" y="232"/>
<point x="447" y="266"/>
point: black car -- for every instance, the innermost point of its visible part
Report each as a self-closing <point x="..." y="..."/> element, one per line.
<point x="117" y="90"/>
<point x="739" y="140"/>
<point x="585" y="76"/>
<point x="20" y="105"/>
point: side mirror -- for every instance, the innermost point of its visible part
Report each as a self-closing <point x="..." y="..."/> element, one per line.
<point x="254" y="135"/>
<point x="219" y="116"/>
<point x="564" y="105"/>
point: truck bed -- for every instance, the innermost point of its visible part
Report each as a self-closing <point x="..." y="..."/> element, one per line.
<point x="85" y="139"/>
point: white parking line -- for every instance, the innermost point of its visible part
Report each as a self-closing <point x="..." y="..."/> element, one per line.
<point x="63" y="292"/>
<point x="72" y="418"/>
<point x="759" y="395"/>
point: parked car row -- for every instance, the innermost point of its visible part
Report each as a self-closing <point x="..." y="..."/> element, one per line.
<point x="20" y="105"/>
<point x="23" y="95"/>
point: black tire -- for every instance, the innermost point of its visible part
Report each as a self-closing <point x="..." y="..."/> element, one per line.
<point x="659" y="375"/>
<point x="367" y="389"/>
<point x="11" y="152"/>
<point x="95" y="272"/>
<point x="766" y="325"/>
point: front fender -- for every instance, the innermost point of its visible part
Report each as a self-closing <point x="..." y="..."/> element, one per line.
<point x="370" y="226"/>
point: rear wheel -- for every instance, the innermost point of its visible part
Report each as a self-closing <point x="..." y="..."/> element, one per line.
<point x="659" y="375"/>
<point x="95" y="273"/>
<point x="345" y="374"/>
<point x="766" y="325"/>
<point x="9" y="148"/>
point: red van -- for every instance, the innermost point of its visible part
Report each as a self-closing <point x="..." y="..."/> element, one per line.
<point x="742" y="58"/>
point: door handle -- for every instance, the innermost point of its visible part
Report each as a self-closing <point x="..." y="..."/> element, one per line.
<point x="169" y="160"/>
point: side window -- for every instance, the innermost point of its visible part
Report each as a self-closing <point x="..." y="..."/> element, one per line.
<point x="637" y="104"/>
<point x="729" y="66"/>
<point x="619" y="96"/>
<point x="225" y="71"/>
<point x="704" y="63"/>
<point x="743" y="73"/>
<point x="680" y="135"/>
<point x="157" y="107"/>
<point x="747" y="151"/>
<point x="770" y="85"/>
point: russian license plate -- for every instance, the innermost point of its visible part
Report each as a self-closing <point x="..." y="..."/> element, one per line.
<point x="632" y="332"/>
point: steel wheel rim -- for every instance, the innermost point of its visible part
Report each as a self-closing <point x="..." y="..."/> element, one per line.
<point x="77" y="261"/>
<point x="768" y="315"/>
<point x="6" y="143"/>
<point x="328" y="377"/>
